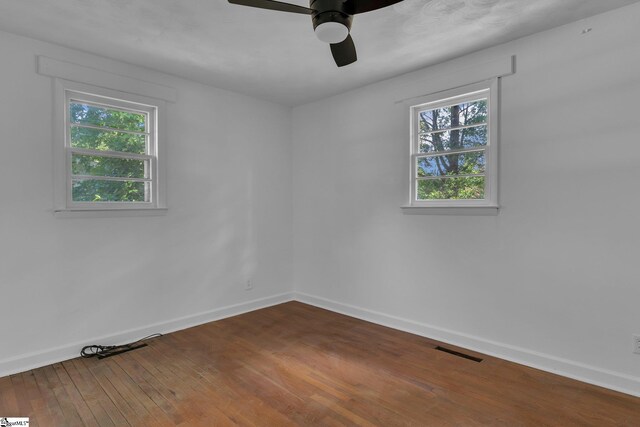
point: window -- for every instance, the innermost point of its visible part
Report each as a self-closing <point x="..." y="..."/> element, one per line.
<point x="110" y="151"/>
<point x="454" y="148"/>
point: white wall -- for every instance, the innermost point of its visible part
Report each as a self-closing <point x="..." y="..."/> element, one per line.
<point x="68" y="281"/>
<point x="552" y="281"/>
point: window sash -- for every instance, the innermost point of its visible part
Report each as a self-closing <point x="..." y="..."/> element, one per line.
<point x="429" y="132"/>
<point x="151" y="181"/>
<point x="112" y="104"/>
<point x="480" y="91"/>
<point x="480" y="95"/>
<point x="449" y="152"/>
<point x="417" y="177"/>
<point x="106" y="128"/>
<point x="111" y="178"/>
<point x="108" y="153"/>
<point x="475" y="201"/>
<point x="427" y="178"/>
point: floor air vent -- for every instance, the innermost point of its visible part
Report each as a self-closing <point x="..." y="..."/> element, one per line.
<point x="457" y="353"/>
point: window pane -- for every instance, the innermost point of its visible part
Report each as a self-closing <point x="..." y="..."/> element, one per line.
<point x="453" y="139"/>
<point x="451" y="188"/>
<point x="93" y="190"/>
<point x="463" y="114"/>
<point x="108" y="166"/>
<point x="105" y="116"/>
<point x="452" y="164"/>
<point x="105" y="140"/>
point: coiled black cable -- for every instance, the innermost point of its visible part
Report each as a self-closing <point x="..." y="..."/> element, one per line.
<point x="102" y="351"/>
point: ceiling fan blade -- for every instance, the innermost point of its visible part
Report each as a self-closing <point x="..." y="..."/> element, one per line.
<point x="273" y="5"/>
<point x="344" y="53"/>
<point x="353" y="7"/>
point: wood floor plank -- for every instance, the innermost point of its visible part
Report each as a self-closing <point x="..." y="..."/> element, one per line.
<point x="39" y="416"/>
<point x="20" y="391"/>
<point x="53" y="408"/>
<point x="8" y="400"/>
<point x="172" y="382"/>
<point x="90" y="392"/>
<point x="298" y="365"/>
<point x="218" y="392"/>
<point x="124" y="412"/>
<point x="134" y="392"/>
<point x="104" y="409"/>
<point x="152" y="388"/>
<point x="74" y="396"/>
<point x="69" y="411"/>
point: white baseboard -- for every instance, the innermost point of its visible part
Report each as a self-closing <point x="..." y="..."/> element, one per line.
<point x="545" y="362"/>
<point x="34" y="360"/>
<point x="567" y="368"/>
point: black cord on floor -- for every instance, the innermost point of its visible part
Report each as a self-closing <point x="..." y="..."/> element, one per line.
<point x="102" y="351"/>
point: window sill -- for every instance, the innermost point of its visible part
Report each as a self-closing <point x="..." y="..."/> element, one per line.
<point x="108" y="213"/>
<point x="451" y="210"/>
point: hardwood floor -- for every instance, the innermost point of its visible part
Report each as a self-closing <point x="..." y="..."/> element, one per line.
<point x="294" y="364"/>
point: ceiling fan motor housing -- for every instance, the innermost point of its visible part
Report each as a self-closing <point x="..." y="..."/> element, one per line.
<point x="329" y="11"/>
<point x="331" y="20"/>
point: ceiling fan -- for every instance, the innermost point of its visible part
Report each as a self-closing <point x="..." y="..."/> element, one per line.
<point x="331" y="20"/>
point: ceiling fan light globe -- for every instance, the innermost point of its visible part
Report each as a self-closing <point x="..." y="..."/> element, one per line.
<point x="331" y="32"/>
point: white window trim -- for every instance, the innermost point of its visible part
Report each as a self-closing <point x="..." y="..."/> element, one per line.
<point x="488" y="205"/>
<point x="63" y="205"/>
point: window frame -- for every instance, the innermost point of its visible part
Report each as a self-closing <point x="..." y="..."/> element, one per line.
<point x="448" y="98"/>
<point x="153" y="108"/>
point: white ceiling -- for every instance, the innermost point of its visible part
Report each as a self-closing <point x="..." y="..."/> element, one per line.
<point x="275" y="55"/>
